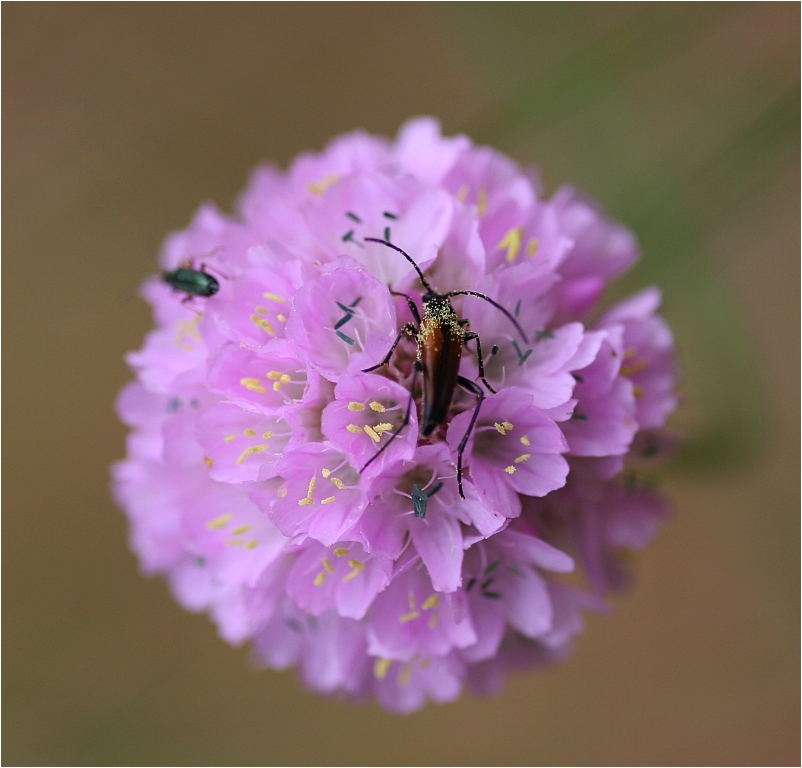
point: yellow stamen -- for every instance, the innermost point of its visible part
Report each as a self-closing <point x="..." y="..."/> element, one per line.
<point x="327" y="565"/>
<point x="376" y="406"/>
<point x="433" y="619"/>
<point x="263" y="324"/>
<point x="510" y="470"/>
<point x="267" y="435"/>
<point x="430" y="602"/>
<point x="500" y="428"/>
<point x="354" y="428"/>
<point x="481" y="206"/>
<point x="408" y="617"/>
<point x="252" y="544"/>
<point x="637" y="391"/>
<point x="507" y="425"/>
<point x="274" y="297"/>
<point x="512" y="242"/>
<point x="251" y="451"/>
<point x="249" y="433"/>
<point x="325" y="472"/>
<point x="328" y="500"/>
<point x="371" y="433"/>
<point x="339" y="484"/>
<point x="525" y="440"/>
<point x="319" y="579"/>
<point x="207" y="461"/>
<point x="354" y="406"/>
<point x="523" y="457"/>
<point x="319" y="187"/>
<point x="229" y="438"/>
<point x="253" y="384"/>
<point x="308" y="500"/>
<point x="282" y="492"/>
<point x="240" y="529"/>
<point x="340" y="552"/>
<point x="532" y="246"/>
<point x="358" y="568"/>
<point x="219" y="522"/>
<point x="381" y="667"/>
<point x="281" y="318"/>
<point x="633" y="368"/>
<point x="262" y="310"/>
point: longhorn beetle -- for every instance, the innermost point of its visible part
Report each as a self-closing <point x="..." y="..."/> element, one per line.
<point x="440" y="336"/>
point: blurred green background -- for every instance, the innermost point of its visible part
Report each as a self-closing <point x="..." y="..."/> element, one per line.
<point x="683" y="119"/>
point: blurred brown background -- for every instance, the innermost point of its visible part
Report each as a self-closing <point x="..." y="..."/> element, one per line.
<point x="119" y="119"/>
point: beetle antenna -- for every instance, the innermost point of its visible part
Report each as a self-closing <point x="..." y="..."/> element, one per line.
<point x="495" y="304"/>
<point x="407" y="257"/>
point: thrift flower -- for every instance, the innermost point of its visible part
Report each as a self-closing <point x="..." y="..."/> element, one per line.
<point x="276" y="470"/>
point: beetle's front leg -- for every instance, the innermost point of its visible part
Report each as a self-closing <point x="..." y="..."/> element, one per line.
<point x="409" y="329"/>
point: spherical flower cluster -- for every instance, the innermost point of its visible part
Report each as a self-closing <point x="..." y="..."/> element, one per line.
<point x="297" y="482"/>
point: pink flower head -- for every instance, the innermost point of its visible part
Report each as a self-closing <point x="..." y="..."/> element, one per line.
<point x="278" y="473"/>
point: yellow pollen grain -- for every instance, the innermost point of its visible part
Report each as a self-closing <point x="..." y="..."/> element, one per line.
<point x="512" y="242"/>
<point x="339" y="484"/>
<point x="229" y="438"/>
<point x="219" y="522"/>
<point x="252" y="384"/>
<point x="328" y="500"/>
<point x="207" y="461"/>
<point x="462" y="193"/>
<point x="637" y="391"/>
<point x="319" y="579"/>
<point x="523" y="457"/>
<point x="251" y="451"/>
<point x="433" y="619"/>
<point x="381" y="667"/>
<point x="510" y="470"/>
<point x="481" y="206"/>
<point x="354" y="428"/>
<point x="327" y="565"/>
<point x="525" y="440"/>
<point x="532" y="246"/>
<point x="377" y="406"/>
<point x="371" y="433"/>
<point x="405" y="675"/>
<point x="319" y="187"/>
<point x="340" y="552"/>
<point x="358" y="567"/>
<point x="430" y="602"/>
<point x="403" y="619"/>
<point x="355" y="406"/>
<point x="263" y="324"/>
<point x="308" y="500"/>
<point x="274" y="297"/>
<point x="249" y="432"/>
<point x="240" y="529"/>
<point x="267" y="435"/>
<point x="325" y="472"/>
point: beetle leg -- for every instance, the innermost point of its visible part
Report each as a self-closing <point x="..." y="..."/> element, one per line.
<point x="480" y="359"/>
<point x="397" y="431"/>
<point x="474" y="389"/>
<point x="409" y="329"/>
<point x="413" y="307"/>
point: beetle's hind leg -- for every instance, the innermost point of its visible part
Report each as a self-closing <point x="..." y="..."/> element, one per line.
<point x="474" y="389"/>
<point x="404" y="422"/>
<point x="480" y="359"/>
